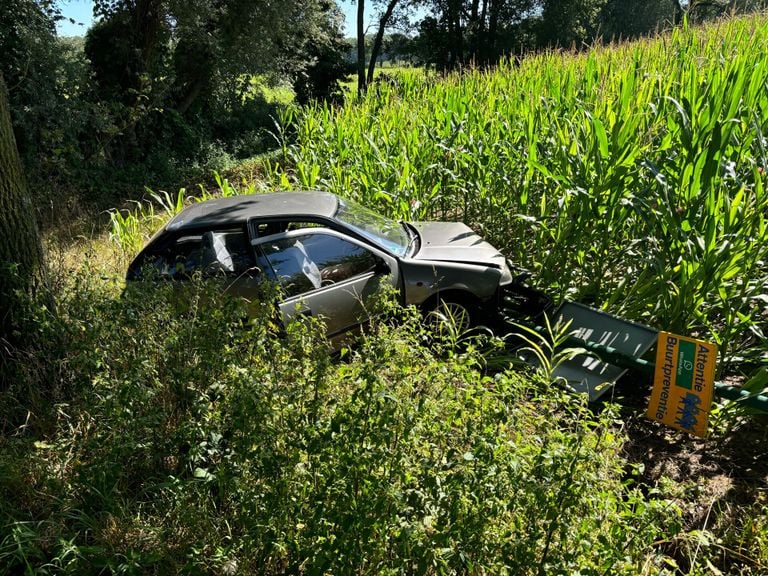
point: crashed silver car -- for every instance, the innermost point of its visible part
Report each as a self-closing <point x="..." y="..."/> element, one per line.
<point x="330" y="256"/>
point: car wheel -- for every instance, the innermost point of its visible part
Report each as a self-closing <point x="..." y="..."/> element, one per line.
<point x="451" y="315"/>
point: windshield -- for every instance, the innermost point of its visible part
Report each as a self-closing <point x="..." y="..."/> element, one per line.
<point x="384" y="232"/>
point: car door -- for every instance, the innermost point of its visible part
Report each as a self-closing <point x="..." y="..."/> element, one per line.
<point x="326" y="274"/>
<point x="222" y="254"/>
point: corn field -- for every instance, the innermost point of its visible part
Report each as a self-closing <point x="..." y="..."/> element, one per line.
<point x="632" y="176"/>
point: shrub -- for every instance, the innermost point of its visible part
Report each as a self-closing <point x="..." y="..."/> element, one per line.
<point x="189" y="440"/>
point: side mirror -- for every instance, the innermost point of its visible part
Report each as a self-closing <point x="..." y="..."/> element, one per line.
<point x="381" y="267"/>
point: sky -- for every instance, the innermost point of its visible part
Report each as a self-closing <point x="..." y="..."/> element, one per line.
<point x="81" y="11"/>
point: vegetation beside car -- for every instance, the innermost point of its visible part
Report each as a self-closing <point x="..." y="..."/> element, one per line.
<point x="187" y="443"/>
<point x="632" y="177"/>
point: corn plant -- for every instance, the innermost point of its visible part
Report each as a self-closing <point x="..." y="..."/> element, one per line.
<point x="126" y="229"/>
<point x="546" y="348"/>
<point x="131" y="230"/>
<point x="170" y="205"/>
<point x="632" y="177"/>
<point x="226" y="189"/>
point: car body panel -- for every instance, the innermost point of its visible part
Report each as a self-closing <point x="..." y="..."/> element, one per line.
<point x="424" y="279"/>
<point x="243" y="208"/>
<point x="343" y="302"/>
<point x="343" y="306"/>
<point x="455" y="242"/>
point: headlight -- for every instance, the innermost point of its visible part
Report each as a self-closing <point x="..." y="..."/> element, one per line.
<point x="506" y="275"/>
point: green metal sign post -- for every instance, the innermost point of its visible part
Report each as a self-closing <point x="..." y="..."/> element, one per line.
<point x="615" y="345"/>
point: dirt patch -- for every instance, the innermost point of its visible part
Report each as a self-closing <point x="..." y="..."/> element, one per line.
<point x="718" y="483"/>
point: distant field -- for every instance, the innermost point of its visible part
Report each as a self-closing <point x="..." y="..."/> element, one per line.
<point x="391" y="70"/>
<point x="271" y="94"/>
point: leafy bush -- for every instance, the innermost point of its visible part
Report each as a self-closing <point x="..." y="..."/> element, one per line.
<point x="191" y="441"/>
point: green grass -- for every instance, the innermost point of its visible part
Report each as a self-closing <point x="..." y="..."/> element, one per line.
<point x="281" y="94"/>
<point x="396" y="72"/>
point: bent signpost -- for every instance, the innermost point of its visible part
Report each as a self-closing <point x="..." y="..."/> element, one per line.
<point x="683" y="368"/>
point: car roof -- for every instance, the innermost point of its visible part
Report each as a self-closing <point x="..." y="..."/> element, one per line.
<point x="239" y="209"/>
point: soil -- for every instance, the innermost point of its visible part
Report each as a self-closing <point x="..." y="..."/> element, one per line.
<point x="715" y="481"/>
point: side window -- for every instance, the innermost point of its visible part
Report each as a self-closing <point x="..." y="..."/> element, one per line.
<point x="212" y="252"/>
<point x="307" y="262"/>
<point x="179" y="258"/>
<point x="298" y="225"/>
<point x="227" y="251"/>
<point x="261" y="229"/>
<point x="338" y="259"/>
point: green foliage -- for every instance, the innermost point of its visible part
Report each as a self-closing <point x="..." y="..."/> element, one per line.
<point x="126" y="231"/>
<point x="631" y="177"/>
<point x="29" y="63"/>
<point x="189" y="441"/>
<point x="126" y="56"/>
<point x="157" y="91"/>
<point x="43" y="75"/>
<point x="546" y="350"/>
<point x="571" y="23"/>
<point x="623" y="19"/>
<point x="327" y="65"/>
<point x="131" y="229"/>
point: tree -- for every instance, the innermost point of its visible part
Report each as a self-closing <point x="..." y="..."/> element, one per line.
<point x="478" y="32"/>
<point x="172" y="73"/>
<point x="569" y="23"/>
<point x="328" y="64"/>
<point x="21" y="251"/>
<point x="399" y="46"/>
<point x="377" y="42"/>
<point x="206" y="48"/>
<point x="389" y="11"/>
<point x="497" y="28"/>
<point x="628" y="19"/>
<point x="29" y="64"/>
<point x="701" y="10"/>
<point x="455" y="33"/>
<point x="126" y="49"/>
<point x="360" y="46"/>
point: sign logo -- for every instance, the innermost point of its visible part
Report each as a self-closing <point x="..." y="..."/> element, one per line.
<point x="683" y="383"/>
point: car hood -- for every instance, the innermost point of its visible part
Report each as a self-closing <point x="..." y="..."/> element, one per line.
<point x="455" y="242"/>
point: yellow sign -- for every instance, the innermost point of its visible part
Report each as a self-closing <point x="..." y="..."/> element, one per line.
<point x="683" y="383"/>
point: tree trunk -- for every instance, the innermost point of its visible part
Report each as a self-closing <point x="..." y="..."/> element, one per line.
<point x="380" y="37"/>
<point x="474" y="11"/>
<point x="456" y="35"/>
<point x="360" y="47"/>
<point x="191" y="95"/>
<point x="493" y="27"/>
<point x="147" y="17"/>
<point x="21" y="251"/>
<point x="475" y="32"/>
<point x="679" y="11"/>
